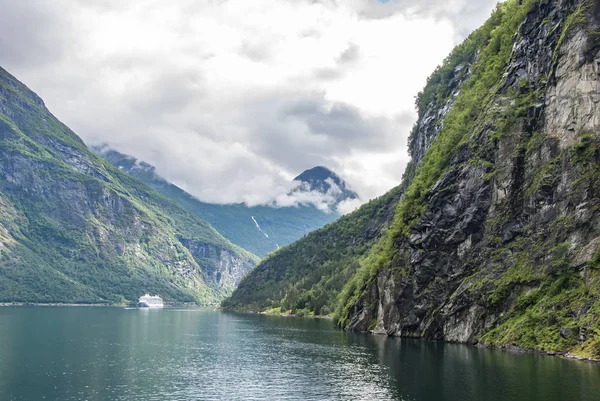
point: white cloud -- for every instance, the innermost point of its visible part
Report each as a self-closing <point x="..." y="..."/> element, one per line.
<point x="348" y="205"/>
<point x="301" y="194"/>
<point x="231" y="99"/>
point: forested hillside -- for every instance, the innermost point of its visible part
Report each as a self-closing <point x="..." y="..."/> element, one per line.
<point x="306" y="277"/>
<point x="75" y="229"/>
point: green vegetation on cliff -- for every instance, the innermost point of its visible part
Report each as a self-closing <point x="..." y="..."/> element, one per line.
<point x="492" y="43"/>
<point x="75" y="229"/>
<point x="551" y="286"/>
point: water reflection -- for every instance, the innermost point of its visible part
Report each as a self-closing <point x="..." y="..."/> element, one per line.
<point x="198" y="354"/>
<point x="437" y="371"/>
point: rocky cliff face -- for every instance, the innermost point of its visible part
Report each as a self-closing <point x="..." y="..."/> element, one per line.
<point x="503" y="247"/>
<point x="227" y="269"/>
<point x="73" y="228"/>
<point x="431" y="119"/>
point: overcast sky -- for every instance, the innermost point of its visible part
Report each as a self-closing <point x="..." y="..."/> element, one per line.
<point x="232" y="99"/>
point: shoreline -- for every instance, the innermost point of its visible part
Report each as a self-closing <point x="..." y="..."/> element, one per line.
<point x="513" y="349"/>
<point x="518" y="350"/>
<point x="296" y="316"/>
<point x="265" y="313"/>
<point x="510" y="349"/>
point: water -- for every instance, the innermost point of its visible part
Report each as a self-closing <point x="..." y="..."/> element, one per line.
<point x="197" y="354"/>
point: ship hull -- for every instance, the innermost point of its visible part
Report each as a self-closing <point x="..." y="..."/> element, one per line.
<point x="151" y="306"/>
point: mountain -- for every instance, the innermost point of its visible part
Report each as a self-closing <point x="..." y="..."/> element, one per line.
<point x="75" y="229"/>
<point x="325" y="181"/>
<point x="307" y="276"/>
<point x="493" y="237"/>
<point x="259" y="229"/>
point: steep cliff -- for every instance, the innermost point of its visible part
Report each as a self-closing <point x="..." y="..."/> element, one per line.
<point x="73" y="228"/>
<point x="496" y="238"/>
<point x="500" y="244"/>
<point x="311" y="273"/>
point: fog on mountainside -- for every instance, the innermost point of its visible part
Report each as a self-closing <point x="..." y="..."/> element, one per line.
<point x="259" y="229"/>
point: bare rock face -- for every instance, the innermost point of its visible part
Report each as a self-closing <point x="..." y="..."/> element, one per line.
<point x="504" y="251"/>
<point x="226" y="269"/>
<point x="573" y="101"/>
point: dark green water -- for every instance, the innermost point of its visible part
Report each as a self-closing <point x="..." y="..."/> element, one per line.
<point x="198" y="354"/>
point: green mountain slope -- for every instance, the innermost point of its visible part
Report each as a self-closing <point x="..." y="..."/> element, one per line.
<point x="259" y="229"/>
<point x="73" y="228"/>
<point x="309" y="274"/>
<point x="496" y="239"/>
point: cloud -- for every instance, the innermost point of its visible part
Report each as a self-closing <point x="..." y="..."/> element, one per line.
<point x="349" y="55"/>
<point x="465" y="15"/>
<point x="21" y="41"/>
<point x="301" y="194"/>
<point x="232" y="99"/>
<point x="348" y="205"/>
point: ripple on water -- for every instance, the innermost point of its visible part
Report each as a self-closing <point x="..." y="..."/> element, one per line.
<point x="200" y="354"/>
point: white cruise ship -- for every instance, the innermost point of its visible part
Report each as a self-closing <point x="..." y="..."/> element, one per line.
<point x="150" y="301"/>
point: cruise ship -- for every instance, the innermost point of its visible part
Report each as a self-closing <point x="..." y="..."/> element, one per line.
<point x="150" y="301"/>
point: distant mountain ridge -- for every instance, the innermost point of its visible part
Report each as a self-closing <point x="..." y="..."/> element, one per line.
<point x="259" y="229"/>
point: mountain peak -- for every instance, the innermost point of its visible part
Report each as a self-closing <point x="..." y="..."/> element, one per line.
<point x="323" y="180"/>
<point x="318" y="172"/>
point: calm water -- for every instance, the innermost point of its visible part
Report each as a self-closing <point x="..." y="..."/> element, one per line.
<point x="199" y="354"/>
